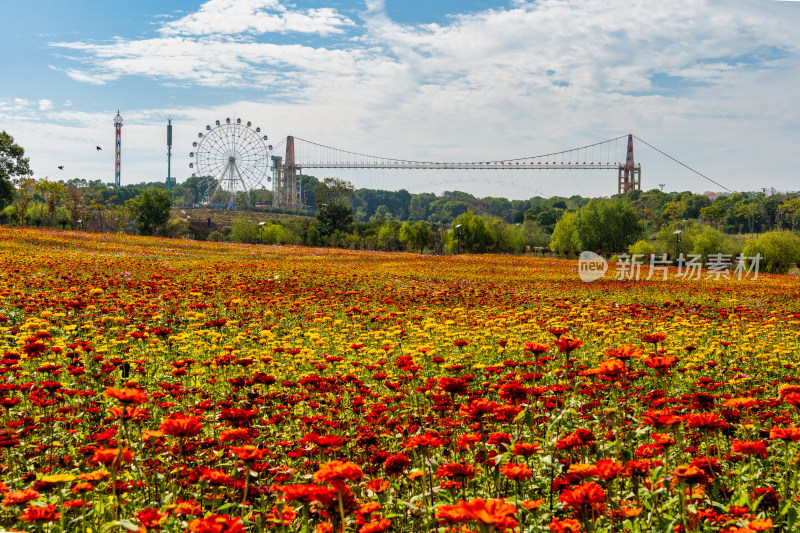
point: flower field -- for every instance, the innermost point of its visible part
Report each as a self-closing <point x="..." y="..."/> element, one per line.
<point x="158" y="385"/>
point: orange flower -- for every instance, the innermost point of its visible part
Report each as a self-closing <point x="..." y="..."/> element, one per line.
<point x="248" y="453"/>
<point x="283" y="517"/>
<point x="612" y="367"/>
<point x="235" y="435"/>
<point x="515" y="471"/>
<point x="95" y="475"/>
<point x="375" y="526"/>
<point x="127" y="396"/>
<point x="377" y="486"/>
<point x="525" y="449"/>
<point x="583" y="470"/>
<point x="216" y="477"/>
<point x="691" y="475"/>
<point x="129" y="412"/>
<point x="793" y="398"/>
<point x="492" y="512"/>
<point x="181" y="425"/>
<point x="741" y="403"/>
<point x="628" y="351"/>
<point x="20" y="496"/>
<point x="785" y="434"/>
<point x="785" y="390"/>
<point x="762" y="524"/>
<point x="336" y="472"/>
<point x="586" y="494"/>
<point x="747" y="447"/>
<point x="217" y="524"/>
<point x="532" y="505"/>
<point x="46" y="513"/>
<point x="609" y="469"/>
<point x="112" y="456"/>
<point x="535" y="347"/>
<point x="568" y="525"/>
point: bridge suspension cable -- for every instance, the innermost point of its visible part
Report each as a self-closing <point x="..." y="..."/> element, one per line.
<point x="309" y="154"/>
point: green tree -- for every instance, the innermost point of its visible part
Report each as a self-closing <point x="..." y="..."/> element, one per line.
<point x="53" y="192"/>
<point x="709" y="241"/>
<point x="780" y="250"/>
<point x="747" y="211"/>
<point x="333" y="191"/>
<point x="150" y="210"/>
<point x="607" y="225"/>
<point x="789" y="211"/>
<point x="564" y="239"/>
<point x="713" y="214"/>
<point x="13" y="163"/>
<point x="24" y="197"/>
<point x="415" y="236"/>
<point x="333" y="217"/>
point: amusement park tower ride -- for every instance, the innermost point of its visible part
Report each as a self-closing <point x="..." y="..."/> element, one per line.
<point x="117" y="148"/>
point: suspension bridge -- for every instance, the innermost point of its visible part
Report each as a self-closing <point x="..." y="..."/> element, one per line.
<point x="236" y="159"/>
<point x="303" y="154"/>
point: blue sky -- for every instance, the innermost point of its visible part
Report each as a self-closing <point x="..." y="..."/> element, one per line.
<point x="711" y="82"/>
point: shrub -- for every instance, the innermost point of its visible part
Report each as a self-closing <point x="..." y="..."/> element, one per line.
<point x="780" y="250"/>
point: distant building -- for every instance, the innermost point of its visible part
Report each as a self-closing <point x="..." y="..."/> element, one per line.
<point x="712" y="196"/>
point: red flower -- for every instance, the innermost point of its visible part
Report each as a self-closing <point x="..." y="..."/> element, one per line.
<point x="127" y="396"/>
<point x="525" y="449"/>
<point x="535" y="347"/>
<point x="336" y="472"/>
<point x="785" y="434"/>
<point x="46" y="513"/>
<point x="653" y="338"/>
<point x="491" y="512"/>
<point x="112" y="456"/>
<point x="151" y="518"/>
<point x="394" y="465"/>
<point x="20" y="496"/>
<point x="455" y="471"/>
<point x="217" y="523"/>
<point x="705" y="421"/>
<point x="691" y="475"/>
<point x="248" y="453"/>
<point x="375" y="526"/>
<point x="586" y="494"/>
<point x="182" y="425"/>
<point x="660" y="363"/>
<point x="515" y="471"/>
<point x="453" y="385"/>
<point x="478" y="408"/>
<point x="567" y="344"/>
<point x="747" y="447"/>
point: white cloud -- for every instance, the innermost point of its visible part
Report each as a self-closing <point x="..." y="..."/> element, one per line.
<point x="536" y="77"/>
<point x="45" y="104"/>
<point x="230" y="17"/>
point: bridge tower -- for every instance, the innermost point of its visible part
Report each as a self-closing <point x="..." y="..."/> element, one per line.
<point x="630" y="174"/>
<point x="286" y="178"/>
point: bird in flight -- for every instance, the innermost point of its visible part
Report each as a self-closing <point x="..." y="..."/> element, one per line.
<point x="60" y="167"/>
<point x="98" y="148"/>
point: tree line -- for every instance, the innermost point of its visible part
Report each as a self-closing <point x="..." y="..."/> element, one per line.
<point x="641" y="222"/>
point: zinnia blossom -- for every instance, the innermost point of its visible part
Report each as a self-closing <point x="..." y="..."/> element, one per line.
<point x="217" y="524"/>
<point x="112" y="456"/>
<point x="336" y="472"/>
<point x="127" y="396"/>
<point x="516" y="471"/>
<point x="182" y="425"/>
<point x="45" y="513"/>
<point x="746" y="447"/>
<point x="586" y="494"/>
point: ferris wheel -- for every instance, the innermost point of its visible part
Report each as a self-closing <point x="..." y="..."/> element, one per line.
<point x="233" y="157"/>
